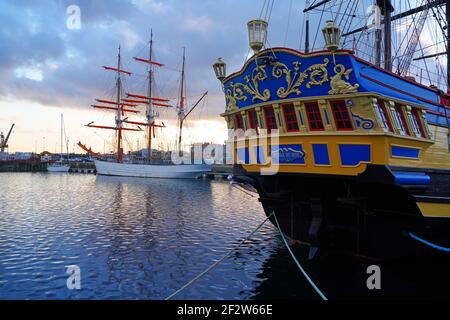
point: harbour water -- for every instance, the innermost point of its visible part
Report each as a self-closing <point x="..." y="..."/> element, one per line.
<point x="131" y="238"/>
<point x="145" y="238"/>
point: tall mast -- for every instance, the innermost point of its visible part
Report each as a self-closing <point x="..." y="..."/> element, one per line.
<point x="119" y="111"/>
<point x="447" y="15"/>
<point x="378" y="47"/>
<point x="307" y="34"/>
<point x="181" y="109"/>
<point x="61" y="136"/>
<point x="386" y="10"/>
<point x="150" y="114"/>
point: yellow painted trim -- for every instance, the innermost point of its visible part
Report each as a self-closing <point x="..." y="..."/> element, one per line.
<point x="369" y="94"/>
<point x="430" y="209"/>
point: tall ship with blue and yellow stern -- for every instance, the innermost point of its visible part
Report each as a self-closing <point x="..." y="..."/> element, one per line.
<point x="348" y="155"/>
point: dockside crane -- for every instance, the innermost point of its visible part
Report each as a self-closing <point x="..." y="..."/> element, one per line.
<point x="4" y="141"/>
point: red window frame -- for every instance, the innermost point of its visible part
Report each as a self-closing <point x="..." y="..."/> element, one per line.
<point x="253" y="119"/>
<point x="383" y="109"/>
<point x="239" y="121"/>
<point x="271" y="122"/>
<point x="341" y="116"/>
<point x="417" y="117"/>
<point x="314" y="117"/>
<point x="290" y="117"/>
<point x="403" y="119"/>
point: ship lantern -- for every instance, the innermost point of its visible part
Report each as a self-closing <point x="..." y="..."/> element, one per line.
<point x="332" y="35"/>
<point x="220" y="69"/>
<point x="257" y="33"/>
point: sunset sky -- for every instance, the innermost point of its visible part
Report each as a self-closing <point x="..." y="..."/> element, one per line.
<point x="47" y="69"/>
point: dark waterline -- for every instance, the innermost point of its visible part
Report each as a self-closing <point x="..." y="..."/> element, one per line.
<point x="145" y="238"/>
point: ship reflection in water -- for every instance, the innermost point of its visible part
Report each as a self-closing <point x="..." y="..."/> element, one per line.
<point x="145" y="238"/>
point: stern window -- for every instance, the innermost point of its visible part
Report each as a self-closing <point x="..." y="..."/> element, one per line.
<point x="314" y="117"/>
<point x="253" y="119"/>
<point x="290" y="117"/>
<point x="398" y="120"/>
<point x="270" y="118"/>
<point x="384" y="117"/>
<point x="238" y="121"/>
<point x="403" y="120"/>
<point x="416" y="120"/>
<point x="341" y="115"/>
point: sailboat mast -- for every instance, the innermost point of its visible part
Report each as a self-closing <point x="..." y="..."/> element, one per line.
<point x="150" y="115"/>
<point x="61" y="137"/>
<point x="181" y="110"/>
<point x="119" y="111"/>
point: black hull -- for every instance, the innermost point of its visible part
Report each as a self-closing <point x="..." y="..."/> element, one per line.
<point x="368" y="215"/>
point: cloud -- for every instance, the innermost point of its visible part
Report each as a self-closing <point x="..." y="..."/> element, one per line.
<point x="152" y="5"/>
<point x="199" y="24"/>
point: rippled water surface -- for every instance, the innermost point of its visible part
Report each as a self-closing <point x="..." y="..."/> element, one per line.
<point x="131" y="238"/>
<point x="145" y="238"/>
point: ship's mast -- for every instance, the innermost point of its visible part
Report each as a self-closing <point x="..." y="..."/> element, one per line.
<point x="447" y="15"/>
<point x="386" y="10"/>
<point x="119" y="110"/>
<point x="150" y="114"/>
<point x="307" y="35"/>
<point x="181" y="115"/>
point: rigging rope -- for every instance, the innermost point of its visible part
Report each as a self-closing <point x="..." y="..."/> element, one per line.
<point x="288" y="23"/>
<point x="215" y="264"/>
<point x="308" y="278"/>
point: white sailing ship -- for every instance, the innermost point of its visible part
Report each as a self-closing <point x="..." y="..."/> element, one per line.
<point x="151" y="168"/>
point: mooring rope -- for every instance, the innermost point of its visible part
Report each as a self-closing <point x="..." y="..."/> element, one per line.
<point x="218" y="261"/>
<point x="311" y="282"/>
<point x="428" y="243"/>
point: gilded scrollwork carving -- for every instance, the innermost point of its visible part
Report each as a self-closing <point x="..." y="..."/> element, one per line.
<point x="233" y="93"/>
<point x="338" y="85"/>
<point x="293" y="77"/>
<point x="236" y="90"/>
<point x="317" y="74"/>
<point x="252" y="86"/>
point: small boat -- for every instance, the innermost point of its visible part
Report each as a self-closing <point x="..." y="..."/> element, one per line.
<point x="123" y="107"/>
<point x="150" y="170"/>
<point x="60" y="166"/>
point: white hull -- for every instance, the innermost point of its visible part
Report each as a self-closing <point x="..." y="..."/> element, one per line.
<point x="185" y="171"/>
<point x="58" y="168"/>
